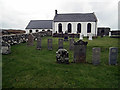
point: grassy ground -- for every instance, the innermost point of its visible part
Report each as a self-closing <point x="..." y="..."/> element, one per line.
<point x="27" y="67"/>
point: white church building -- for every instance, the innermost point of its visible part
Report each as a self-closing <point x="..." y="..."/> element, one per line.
<point x="72" y="23"/>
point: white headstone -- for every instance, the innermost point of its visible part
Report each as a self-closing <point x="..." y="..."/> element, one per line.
<point x="90" y="36"/>
<point x="109" y="34"/>
<point x="81" y="36"/>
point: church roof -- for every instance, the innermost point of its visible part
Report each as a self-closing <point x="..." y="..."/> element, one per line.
<point x="40" y="24"/>
<point x="75" y="17"/>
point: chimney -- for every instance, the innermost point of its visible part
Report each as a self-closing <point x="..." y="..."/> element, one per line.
<point x="55" y="12"/>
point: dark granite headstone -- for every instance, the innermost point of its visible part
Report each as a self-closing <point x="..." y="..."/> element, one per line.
<point x="60" y="43"/>
<point x="30" y="40"/>
<point x="65" y="37"/>
<point x="80" y="51"/>
<point x="113" y="52"/>
<point x="49" y="44"/>
<point x="71" y="44"/>
<point x="96" y="56"/>
<point x="101" y="35"/>
<point x="62" y="56"/>
<point x="39" y="40"/>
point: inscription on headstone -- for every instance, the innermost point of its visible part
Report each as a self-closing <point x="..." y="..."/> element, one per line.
<point x="113" y="52"/>
<point x="80" y="51"/>
<point x="71" y="45"/>
<point x="60" y="43"/>
<point x="49" y="44"/>
<point x="96" y="56"/>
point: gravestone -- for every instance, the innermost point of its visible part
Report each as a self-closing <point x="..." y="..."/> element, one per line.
<point x="113" y="52"/>
<point x="66" y="37"/>
<point x="30" y="40"/>
<point x="39" y="40"/>
<point x="6" y="48"/>
<point x="109" y="34"/>
<point x="101" y="35"/>
<point x="62" y="56"/>
<point x="80" y="51"/>
<point x="81" y="36"/>
<point x="49" y="44"/>
<point x="90" y="36"/>
<point x="71" y="45"/>
<point x="60" y="43"/>
<point x="96" y="56"/>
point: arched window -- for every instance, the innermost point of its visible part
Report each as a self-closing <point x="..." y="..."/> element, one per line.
<point x="43" y="30"/>
<point x="48" y="30"/>
<point x="30" y="31"/>
<point x="79" y="28"/>
<point x="88" y="28"/>
<point x="69" y="28"/>
<point x="59" y="27"/>
<point x="36" y="30"/>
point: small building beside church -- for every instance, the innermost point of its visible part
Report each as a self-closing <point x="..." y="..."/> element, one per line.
<point x="103" y="31"/>
<point x="35" y="26"/>
<point x="72" y="23"/>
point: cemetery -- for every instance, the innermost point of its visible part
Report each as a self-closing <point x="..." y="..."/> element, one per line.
<point x="39" y="60"/>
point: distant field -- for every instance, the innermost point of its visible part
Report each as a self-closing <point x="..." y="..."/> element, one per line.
<point x="27" y="67"/>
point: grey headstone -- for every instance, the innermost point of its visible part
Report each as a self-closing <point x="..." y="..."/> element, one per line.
<point x="49" y="44"/>
<point x="39" y="41"/>
<point x="30" y="40"/>
<point x="96" y="56"/>
<point x="113" y="52"/>
<point x="60" y="43"/>
<point x="71" y="44"/>
<point x="62" y="56"/>
<point x="80" y="51"/>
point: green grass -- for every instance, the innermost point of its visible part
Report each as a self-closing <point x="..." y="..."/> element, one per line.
<point x="27" y="67"/>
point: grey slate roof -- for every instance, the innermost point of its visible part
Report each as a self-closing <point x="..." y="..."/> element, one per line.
<point x="75" y="17"/>
<point x="40" y="24"/>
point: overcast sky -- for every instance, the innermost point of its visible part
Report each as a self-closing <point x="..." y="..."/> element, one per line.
<point x="16" y="14"/>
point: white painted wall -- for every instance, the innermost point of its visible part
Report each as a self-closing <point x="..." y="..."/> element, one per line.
<point x="34" y="30"/>
<point x="74" y="27"/>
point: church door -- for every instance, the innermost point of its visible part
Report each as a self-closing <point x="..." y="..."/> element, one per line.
<point x="69" y="28"/>
<point x="59" y="27"/>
